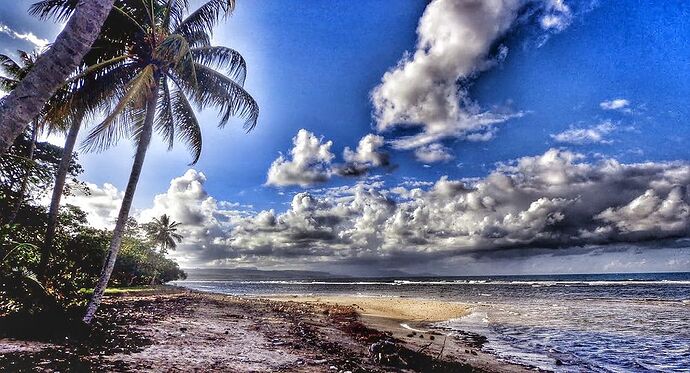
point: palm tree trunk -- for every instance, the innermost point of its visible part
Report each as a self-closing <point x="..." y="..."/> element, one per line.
<point x="58" y="189"/>
<point x="51" y="69"/>
<point x="111" y="257"/>
<point x="25" y="181"/>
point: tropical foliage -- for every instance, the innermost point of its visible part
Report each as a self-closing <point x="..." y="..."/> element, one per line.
<point x="151" y="65"/>
<point x="79" y="250"/>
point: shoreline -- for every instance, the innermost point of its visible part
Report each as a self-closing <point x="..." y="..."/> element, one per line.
<point x="179" y="329"/>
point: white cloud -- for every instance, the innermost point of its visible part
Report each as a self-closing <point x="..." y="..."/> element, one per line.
<point x="558" y="15"/>
<point x="367" y="156"/>
<point x="650" y="214"/>
<point x="310" y="162"/>
<point x="583" y="136"/>
<point x="100" y="203"/>
<point x="367" y="151"/>
<point x="455" y="39"/>
<point x="620" y="104"/>
<point x="28" y="36"/>
<point x="433" y="153"/>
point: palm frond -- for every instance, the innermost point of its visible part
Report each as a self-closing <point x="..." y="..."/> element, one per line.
<point x="187" y="125"/>
<point x="174" y="12"/>
<point x="98" y="67"/>
<point x="10" y="68"/>
<point x="165" y="121"/>
<point x="7" y="84"/>
<point x="128" y="109"/>
<point x="93" y="94"/>
<point x="175" y="51"/>
<point x="198" y="39"/>
<point x="223" y="93"/>
<point x="204" y="18"/>
<point x="222" y="58"/>
<point x="58" y="10"/>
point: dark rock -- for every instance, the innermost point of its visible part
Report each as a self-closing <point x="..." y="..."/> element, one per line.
<point x="559" y="362"/>
<point x="432" y="337"/>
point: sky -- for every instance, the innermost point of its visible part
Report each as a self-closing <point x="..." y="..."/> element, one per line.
<point x="452" y="137"/>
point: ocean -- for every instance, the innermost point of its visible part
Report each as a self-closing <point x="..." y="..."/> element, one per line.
<point x="590" y="323"/>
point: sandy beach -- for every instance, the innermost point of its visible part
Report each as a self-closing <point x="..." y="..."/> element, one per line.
<point x="179" y="330"/>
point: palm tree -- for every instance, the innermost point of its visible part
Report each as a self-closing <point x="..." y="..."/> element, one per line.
<point x="161" y="61"/>
<point x="163" y="233"/>
<point x="53" y="68"/>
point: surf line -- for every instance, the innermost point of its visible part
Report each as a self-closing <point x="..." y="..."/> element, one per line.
<point x="406" y="326"/>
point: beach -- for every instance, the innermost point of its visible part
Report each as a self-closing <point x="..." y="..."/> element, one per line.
<point x="172" y="329"/>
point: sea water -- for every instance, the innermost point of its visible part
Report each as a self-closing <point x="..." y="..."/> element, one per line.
<point x="592" y="323"/>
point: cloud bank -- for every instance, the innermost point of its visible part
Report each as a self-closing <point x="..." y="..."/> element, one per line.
<point x="556" y="202"/>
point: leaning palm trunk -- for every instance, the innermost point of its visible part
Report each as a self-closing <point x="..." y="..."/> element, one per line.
<point x="51" y="70"/>
<point x="58" y="189"/>
<point x="25" y="180"/>
<point x="111" y="257"/>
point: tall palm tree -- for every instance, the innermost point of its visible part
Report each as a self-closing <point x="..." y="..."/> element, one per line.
<point x="161" y="61"/>
<point x="54" y="67"/>
<point x="163" y="232"/>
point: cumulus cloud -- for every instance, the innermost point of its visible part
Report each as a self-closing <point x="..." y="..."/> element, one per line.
<point x="620" y="104"/>
<point x="583" y="136"/>
<point x="204" y="221"/>
<point x="557" y="201"/>
<point x="27" y="36"/>
<point x="100" y="203"/>
<point x="310" y="162"/>
<point x="368" y="155"/>
<point x="433" y="153"/>
<point x="456" y="40"/>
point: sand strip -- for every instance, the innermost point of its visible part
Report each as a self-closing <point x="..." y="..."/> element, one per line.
<point x="403" y="309"/>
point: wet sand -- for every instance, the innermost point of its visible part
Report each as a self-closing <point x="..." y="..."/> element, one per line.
<point x="403" y="309"/>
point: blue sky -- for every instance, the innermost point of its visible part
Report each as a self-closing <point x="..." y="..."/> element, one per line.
<point x="607" y="80"/>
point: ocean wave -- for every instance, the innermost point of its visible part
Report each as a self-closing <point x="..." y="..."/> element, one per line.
<point x="538" y="283"/>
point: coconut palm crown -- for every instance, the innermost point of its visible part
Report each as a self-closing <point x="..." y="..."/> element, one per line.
<point x="149" y="47"/>
<point x="163" y="232"/>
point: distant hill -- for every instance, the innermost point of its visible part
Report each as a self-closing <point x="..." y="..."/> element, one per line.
<point x="255" y="274"/>
<point x="249" y="274"/>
